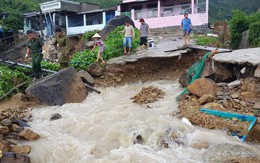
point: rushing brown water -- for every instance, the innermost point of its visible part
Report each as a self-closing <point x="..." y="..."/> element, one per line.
<point x="110" y="128"/>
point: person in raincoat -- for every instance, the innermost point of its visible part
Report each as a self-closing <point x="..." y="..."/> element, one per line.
<point x="61" y="43"/>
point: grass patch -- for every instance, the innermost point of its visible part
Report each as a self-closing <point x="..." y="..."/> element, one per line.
<point x="205" y="40"/>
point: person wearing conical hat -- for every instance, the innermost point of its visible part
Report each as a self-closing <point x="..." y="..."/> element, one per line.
<point x="102" y="47"/>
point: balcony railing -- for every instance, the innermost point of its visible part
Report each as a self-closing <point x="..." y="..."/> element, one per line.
<point x="147" y="13"/>
<point x="175" y="10"/>
<point x="181" y="9"/>
<point x="200" y="8"/>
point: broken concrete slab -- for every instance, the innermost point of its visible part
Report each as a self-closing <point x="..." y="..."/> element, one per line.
<point x="243" y="56"/>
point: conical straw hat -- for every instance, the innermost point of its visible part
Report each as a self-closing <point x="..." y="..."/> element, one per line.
<point x="96" y="35"/>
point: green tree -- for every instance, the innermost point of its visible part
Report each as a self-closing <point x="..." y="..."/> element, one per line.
<point x="14" y="10"/>
<point x="238" y="24"/>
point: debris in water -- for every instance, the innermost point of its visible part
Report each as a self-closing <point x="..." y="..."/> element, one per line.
<point x="148" y="95"/>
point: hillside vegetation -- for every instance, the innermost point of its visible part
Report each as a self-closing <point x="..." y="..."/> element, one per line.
<point x="221" y="9"/>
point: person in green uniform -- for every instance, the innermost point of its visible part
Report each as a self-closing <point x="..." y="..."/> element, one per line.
<point x="61" y="43"/>
<point x="35" y="48"/>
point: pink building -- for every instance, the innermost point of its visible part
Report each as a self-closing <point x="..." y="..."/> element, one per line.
<point x="165" y="13"/>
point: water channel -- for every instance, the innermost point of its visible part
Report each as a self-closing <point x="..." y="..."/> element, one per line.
<point x="108" y="127"/>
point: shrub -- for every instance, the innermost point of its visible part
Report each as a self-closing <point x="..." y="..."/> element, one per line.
<point x="50" y="66"/>
<point x="239" y="23"/>
<point x="10" y="78"/>
<point x="114" y="48"/>
<point x="254" y="34"/>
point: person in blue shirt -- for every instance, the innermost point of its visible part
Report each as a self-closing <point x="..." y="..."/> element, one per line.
<point x="186" y="26"/>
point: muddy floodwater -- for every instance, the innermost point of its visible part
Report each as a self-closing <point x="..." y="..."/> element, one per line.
<point x="108" y="127"/>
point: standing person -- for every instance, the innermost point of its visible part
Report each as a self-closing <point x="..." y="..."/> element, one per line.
<point x="129" y="36"/>
<point x="144" y="32"/>
<point x="35" y="48"/>
<point x="61" y="43"/>
<point x="186" y="27"/>
<point x="102" y="47"/>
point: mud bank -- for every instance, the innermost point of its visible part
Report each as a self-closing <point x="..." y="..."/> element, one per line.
<point x="148" y="69"/>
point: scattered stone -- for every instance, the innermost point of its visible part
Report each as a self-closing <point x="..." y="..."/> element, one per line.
<point x="86" y="77"/>
<point x="203" y="86"/>
<point x="223" y="97"/>
<point x="95" y="69"/>
<point x="200" y="145"/>
<point x="28" y="134"/>
<point x="148" y="95"/>
<point x="6" y="122"/>
<point x="223" y="93"/>
<point x="174" y="136"/>
<point x="89" y="44"/>
<point x="16" y="128"/>
<point x="11" y="157"/>
<point x="222" y="84"/>
<point x="235" y="95"/>
<point x="243" y="103"/>
<point x="165" y="145"/>
<point x="21" y="149"/>
<point x="234" y="84"/>
<point x="12" y="141"/>
<point x="225" y="103"/>
<point x="55" y="116"/>
<point x="214" y="106"/>
<point x="4" y="146"/>
<point x="206" y="99"/>
<point x="256" y="106"/>
<point x="237" y="100"/>
<point x="250" y="97"/>
<point x="257" y="72"/>
<point x="227" y="152"/>
<point x="20" y="97"/>
<point x="182" y="80"/>
<point x="4" y="130"/>
<point x="63" y="87"/>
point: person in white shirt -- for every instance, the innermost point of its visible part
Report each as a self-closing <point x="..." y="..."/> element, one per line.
<point x="129" y="36"/>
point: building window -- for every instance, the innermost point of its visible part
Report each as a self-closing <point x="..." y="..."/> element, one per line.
<point x="94" y="18"/>
<point x="75" y="20"/>
<point x="152" y="10"/>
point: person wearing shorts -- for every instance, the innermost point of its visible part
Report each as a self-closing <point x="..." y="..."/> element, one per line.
<point x="186" y="26"/>
<point x="144" y="32"/>
<point x="129" y="36"/>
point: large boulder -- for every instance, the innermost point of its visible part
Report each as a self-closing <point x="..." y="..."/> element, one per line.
<point x="228" y="153"/>
<point x="11" y="157"/>
<point x="202" y="87"/>
<point x="86" y="77"/>
<point x="63" y="87"/>
<point x="95" y="69"/>
<point x="257" y="72"/>
<point x="115" y="22"/>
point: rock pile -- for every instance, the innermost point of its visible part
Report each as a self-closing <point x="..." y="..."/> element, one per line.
<point x="12" y="131"/>
<point x="148" y="95"/>
<point x="241" y="96"/>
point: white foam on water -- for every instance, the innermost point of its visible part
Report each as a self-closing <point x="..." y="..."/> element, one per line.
<point x="104" y="128"/>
